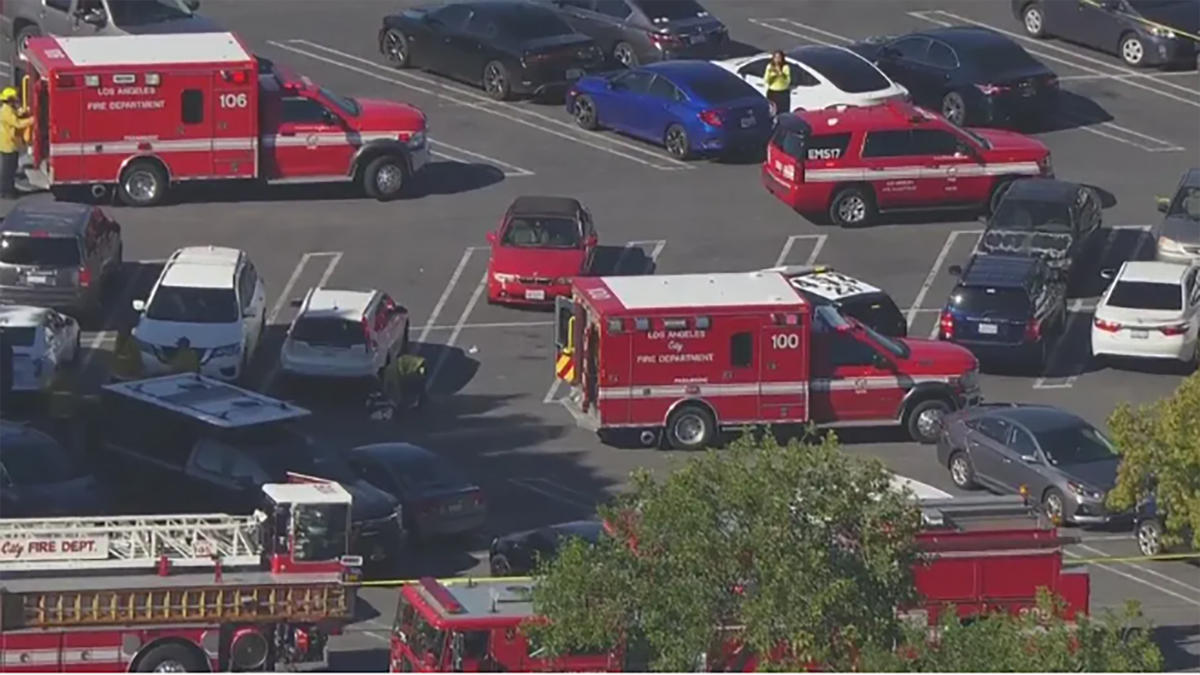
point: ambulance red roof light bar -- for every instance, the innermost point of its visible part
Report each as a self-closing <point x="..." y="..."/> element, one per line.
<point x="442" y="595"/>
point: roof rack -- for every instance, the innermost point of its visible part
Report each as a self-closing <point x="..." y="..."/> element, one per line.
<point x="979" y="512"/>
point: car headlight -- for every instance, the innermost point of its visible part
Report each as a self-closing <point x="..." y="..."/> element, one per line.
<point x="228" y="350"/>
<point x="1169" y="245"/>
<point x="504" y="278"/>
<point x="1080" y="490"/>
<point x="1162" y="32"/>
<point x="417" y="140"/>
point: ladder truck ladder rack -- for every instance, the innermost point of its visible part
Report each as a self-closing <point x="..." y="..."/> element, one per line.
<point x="128" y="542"/>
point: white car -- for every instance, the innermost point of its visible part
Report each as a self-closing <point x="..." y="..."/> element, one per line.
<point x="43" y="342"/>
<point x="822" y="77"/>
<point x="344" y="334"/>
<point x="213" y="297"/>
<point x="1151" y="310"/>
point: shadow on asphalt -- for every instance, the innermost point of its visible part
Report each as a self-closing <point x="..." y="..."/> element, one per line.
<point x="1174" y="642"/>
<point x="1073" y="111"/>
<point x="449" y="177"/>
<point x="622" y="261"/>
<point x="358" y="660"/>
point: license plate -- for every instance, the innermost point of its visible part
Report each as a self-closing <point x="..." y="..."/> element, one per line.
<point x="1027" y="92"/>
<point x="748" y="122"/>
<point x="37" y="279"/>
<point x="695" y="39"/>
<point x="574" y="73"/>
<point x="1139" y="334"/>
<point x="988" y="329"/>
<point x="535" y="295"/>
<point x="454" y="508"/>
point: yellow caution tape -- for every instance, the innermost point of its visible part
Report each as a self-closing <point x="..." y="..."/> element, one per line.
<point x="1144" y="21"/>
<point x="1134" y="558"/>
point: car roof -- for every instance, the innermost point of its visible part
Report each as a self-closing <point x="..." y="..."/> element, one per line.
<point x="844" y="119"/>
<point x="202" y="267"/>
<point x="56" y="219"/>
<point x="546" y="206"/>
<point x="499" y="6"/>
<point x="824" y="282"/>
<point x="964" y="36"/>
<point x="21" y="315"/>
<point x="328" y="303"/>
<point x="998" y="270"/>
<point x="1044" y="190"/>
<point x="1152" y="271"/>
<point x="213" y="402"/>
<point x="1037" y="418"/>
<point x="391" y="451"/>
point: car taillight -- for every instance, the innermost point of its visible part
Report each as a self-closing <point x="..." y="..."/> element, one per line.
<point x="664" y="39"/>
<point x="530" y="59"/>
<point x="711" y="117"/>
<point x="478" y="498"/>
<point x="85" y="277"/>
<point x="1171" y="331"/>
<point x="1107" y="326"/>
<point x="1052" y="82"/>
<point x="946" y="326"/>
<point x="991" y="89"/>
<point x="1033" y="330"/>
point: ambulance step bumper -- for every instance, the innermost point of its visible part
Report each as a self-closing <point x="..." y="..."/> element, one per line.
<point x="573" y="402"/>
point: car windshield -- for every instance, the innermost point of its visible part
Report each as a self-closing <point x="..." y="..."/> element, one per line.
<point x="185" y="304"/>
<point x="20" y="336"/>
<point x="329" y="332"/>
<point x="1004" y="302"/>
<point x="979" y="140"/>
<point x="344" y="103"/>
<point x="531" y="23"/>
<point x="1030" y="215"/>
<point x="542" y="232"/>
<point x="996" y="57"/>
<point x="282" y="449"/>
<point x="1076" y="444"/>
<point x="878" y="312"/>
<point x="19" y="249"/>
<point x="142" y="12"/>
<point x="1146" y="295"/>
<point x="31" y="458"/>
<point x="1186" y="204"/>
<point x="718" y="90"/>
<point x="846" y="71"/>
<point x="671" y="10"/>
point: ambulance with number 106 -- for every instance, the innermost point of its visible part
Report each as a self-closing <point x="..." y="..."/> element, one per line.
<point x="677" y="359"/>
<point x="143" y="113"/>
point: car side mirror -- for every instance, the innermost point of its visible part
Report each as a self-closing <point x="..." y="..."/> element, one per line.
<point x="330" y="119"/>
<point x="1108" y="274"/>
<point x="491" y="237"/>
<point x="1029" y="459"/>
<point x="139" y="305"/>
<point x="192" y="5"/>
<point x="95" y="17"/>
<point x="1162" y="203"/>
<point x="879" y="361"/>
<point x="955" y="270"/>
<point x="248" y="314"/>
<point x="297" y="302"/>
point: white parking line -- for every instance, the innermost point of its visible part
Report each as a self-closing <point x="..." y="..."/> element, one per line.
<point x="5" y="68"/>
<point x="464" y="156"/>
<point x="458" y="329"/>
<point x="441" y="303"/>
<point x="284" y="298"/>
<point x="1191" y="74"/>
<point x="546" y="124"/>
<point x="532" y="484"/>
<point x="934" y="271"/>
<point x="818" y="244"/>
<point x="1138" y="579"/>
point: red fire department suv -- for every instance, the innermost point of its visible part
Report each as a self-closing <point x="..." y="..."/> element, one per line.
<point x="849" y="164"/>
<point x="145" y="112"/>
<point x="677" y="358"/>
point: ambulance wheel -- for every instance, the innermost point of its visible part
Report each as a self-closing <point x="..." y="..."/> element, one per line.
<point x="852" y="207"/>
<point x="925" y="419"/>
<point x="690" y="427"/>
<point x="170" y="658"/>
<point x="143" y="183"/>
<point x="384" y="178"/>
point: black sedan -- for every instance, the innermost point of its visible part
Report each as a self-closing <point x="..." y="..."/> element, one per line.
<point x="509" y="47"/>
<point x="437" y="499"/>
<point x="1144" y="33"/>
<point x="974" y="76"/>
<point x="1054" y="220"/>
<point x="519" y="553"/>
<point x="39" y="479"/>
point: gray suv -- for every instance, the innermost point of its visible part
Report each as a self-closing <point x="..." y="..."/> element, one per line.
<point x="59" y="255"/>
<point x="23" y="19"/>
<point x="633" y="32"/>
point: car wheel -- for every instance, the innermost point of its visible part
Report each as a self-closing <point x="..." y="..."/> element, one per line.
<point x="395" y="47"/>
<point x="23" y="37"/>
<point x="1054" y="506"/>
<point x="691" y="427"/>
<point x="1133" y="50"/>
<point x="499" y="566"/>
<point x="998" y="191"/>
<point x="954" y="108"/>
<point x="584" y="112"/>
<point x="1034" y="21"/>
<point x="677" y="143"/>
<point x="925" y="420"/>
<point x="143" y="183"/>
<point x="624" y="54"/>
<point x="962" y="472"/>
<point x="495" y="81"/>
<point x="1149" y="537"/>
<point x="384" y="178"/>
<point x="852" y="207"/>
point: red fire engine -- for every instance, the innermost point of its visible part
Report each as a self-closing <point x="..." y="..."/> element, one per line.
<point x="187" y="593"/>
<point x="691" y="354"/>
<point x="981" y="554"/>
<point x="143" y="112"/>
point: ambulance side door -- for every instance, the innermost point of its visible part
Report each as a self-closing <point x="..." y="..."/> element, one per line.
<point x="737" y="396"/>
<point x="312" y="143"/>
<point x="783" y="385"/>
<point x="841" y="367"/>
<point x="194" y="131"/>
<point x="235" y="108"/>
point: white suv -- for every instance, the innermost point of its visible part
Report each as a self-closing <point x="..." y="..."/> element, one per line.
<point x="213" y="297"/>
<point x="344" y="334"/>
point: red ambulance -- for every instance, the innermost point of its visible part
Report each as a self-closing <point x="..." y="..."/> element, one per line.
<point x="141" y="113"/>
<point x="676" y="359"/>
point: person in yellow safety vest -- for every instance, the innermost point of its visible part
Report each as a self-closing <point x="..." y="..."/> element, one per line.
<point x="127" y="357"/>
<point x="778" y="79"/>
<point x="12" y="127"/>
<point x="404" y="382"/>
<point x="186" y="360"/>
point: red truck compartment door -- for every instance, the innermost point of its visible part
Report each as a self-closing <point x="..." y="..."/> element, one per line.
<point x="783" y="386"/>
<point x="235" y="129"/>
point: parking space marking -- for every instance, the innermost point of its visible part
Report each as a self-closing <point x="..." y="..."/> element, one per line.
<point x="285" y="298"/>
<point x="648" y="157"/>
<point x="6" y="69"/>
<point x="818" y="245"/>
<point x="944" y="18"/>
<point x="934" y="271"/>
<point x="1139" y="579"/>
<point x="123" y="301"/>
<point x="551" y="490"/>
<point x="441" y="303"/>
<point x="1078" y="309"/>
<point x="1191" y="74"/>
<point x="838" y="38"/>
<point x="458" y="328"/>
<point x="463" y="156"/>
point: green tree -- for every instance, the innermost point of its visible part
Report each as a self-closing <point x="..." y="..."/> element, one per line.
<point x="1160" y="446"/>
<point x="801" y="545"/>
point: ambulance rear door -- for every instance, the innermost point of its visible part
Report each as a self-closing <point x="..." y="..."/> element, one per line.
<point x="568" y="330"/>
<point x="235" y="129"/>
<point x="784" y="383"/>
<point x="785" y="158"/>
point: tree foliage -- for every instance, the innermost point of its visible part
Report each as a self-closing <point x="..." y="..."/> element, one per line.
<point x="1160" y="446"/>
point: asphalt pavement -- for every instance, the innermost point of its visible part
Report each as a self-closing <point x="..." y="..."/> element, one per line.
<point x="1130" y="134"/>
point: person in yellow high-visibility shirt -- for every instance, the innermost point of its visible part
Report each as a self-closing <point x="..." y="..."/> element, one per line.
<point x="186" y="360"/>
<point x="127" y="357"/>
<point x="12" y="137"/>
<point x="778" y="78"/>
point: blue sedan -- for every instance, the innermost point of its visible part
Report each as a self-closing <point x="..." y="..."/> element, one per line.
<point x="691" y="108"/>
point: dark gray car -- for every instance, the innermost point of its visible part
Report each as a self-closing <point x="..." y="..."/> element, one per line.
<point x="634" y="32"/>
<point x="1177" y="238"/>
<point x="1142" y="32"/>
<point x="1060" y="458"/>
<point x="59" y="255"/>
<point x="23" y="19"/>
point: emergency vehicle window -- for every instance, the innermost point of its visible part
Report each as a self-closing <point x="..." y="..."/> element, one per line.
<point x="882" y="144"/>
<point x="427" y="640"/>
<point x="790" y="143"/>
<point x="741" y="350"/>
<point x="297" y="110"/>
<point x="59" y="5"/>
<point x="828" y="147"/>
<point x="191" y="106"/>
<point x="847" y="351"/>
<point x="934" y="142"/>
<point x="475" y="644"/>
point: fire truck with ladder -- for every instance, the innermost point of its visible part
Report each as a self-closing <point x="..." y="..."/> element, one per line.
<point x="179" y="593"/>
<point x="980" y="554"/>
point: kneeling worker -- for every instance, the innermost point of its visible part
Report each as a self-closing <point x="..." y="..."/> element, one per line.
<point x="186" y="360"/>
<point x="404" y="382"/>
<point x="127" y="357"/>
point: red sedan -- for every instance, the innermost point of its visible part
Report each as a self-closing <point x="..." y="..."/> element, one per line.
<point x="542" y="242"/>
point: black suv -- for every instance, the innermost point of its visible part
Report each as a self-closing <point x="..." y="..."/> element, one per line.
<point x="1005" y="307"/>
<point x="1056" y="221"/>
